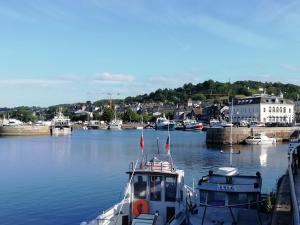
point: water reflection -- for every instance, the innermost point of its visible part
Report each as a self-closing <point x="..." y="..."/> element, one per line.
<point x="64" y="180"/>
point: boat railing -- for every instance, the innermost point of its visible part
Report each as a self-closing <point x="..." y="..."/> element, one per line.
<point x="292" y="169"/>
<point x="155" y="166"/>
<point x="230" y="209"/>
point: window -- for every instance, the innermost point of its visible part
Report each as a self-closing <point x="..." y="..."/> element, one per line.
<point x="281" y="109"/>
<point x="284" y="110"/>
<point x="264" y="109"/>
<point x="216" y="198"/>
<point x="170" y="189"/>
<point x="273" y="109"/>
<point x="140" y="186"/>
<point x="155" y="188"/>
<point x="203" y="195"/>
<point x="270" y="109"/>
<point x="277" y="109"/>
<point x="290" y="110"/>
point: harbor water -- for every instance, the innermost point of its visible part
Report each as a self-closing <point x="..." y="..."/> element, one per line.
<point x="69" y="179"/>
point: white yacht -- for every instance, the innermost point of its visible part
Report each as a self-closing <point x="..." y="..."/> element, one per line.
<point x="260" y="138"/>
<point x="61" y="125"/>
<point x="155" y="195"/>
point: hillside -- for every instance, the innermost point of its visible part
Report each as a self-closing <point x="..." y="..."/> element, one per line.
<point x="217" y="91"/>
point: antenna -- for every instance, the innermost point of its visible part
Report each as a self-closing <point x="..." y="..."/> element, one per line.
<point x="157" y="145"/>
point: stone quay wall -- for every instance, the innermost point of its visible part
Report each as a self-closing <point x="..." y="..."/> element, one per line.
<point x="239" y="134"/>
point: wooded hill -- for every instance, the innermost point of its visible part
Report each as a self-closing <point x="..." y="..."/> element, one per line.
<point x="217" y="91"/>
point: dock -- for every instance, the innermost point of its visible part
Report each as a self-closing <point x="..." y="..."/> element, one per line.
<point x="239" y="134"/>
<point x="24" y="130"/>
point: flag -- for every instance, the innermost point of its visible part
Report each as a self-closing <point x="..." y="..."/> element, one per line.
<point x="167" y="145"/>
<point x="142" y="144"/>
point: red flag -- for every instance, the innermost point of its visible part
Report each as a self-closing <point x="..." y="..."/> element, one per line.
<point x="142" y="144"/>
<point x="167" y="145"/>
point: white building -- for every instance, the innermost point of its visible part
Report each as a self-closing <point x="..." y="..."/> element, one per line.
<point x="297" y="111"/>
<point x="263" y="109"/>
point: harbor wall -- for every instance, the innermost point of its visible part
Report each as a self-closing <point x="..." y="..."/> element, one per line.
<point x="239" y="134"/>
<point x="24" y="130"/>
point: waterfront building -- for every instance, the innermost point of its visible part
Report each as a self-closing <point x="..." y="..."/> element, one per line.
<point x="297" y="111"/>
<point x="263" y="108"/>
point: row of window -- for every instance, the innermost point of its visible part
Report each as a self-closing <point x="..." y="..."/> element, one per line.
<point x="277" y="109"/>
<point x="155" y="184"/>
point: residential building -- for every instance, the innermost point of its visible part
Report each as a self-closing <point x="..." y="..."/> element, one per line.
<point x="297" y="111"/>
<point x="263" y="108"/>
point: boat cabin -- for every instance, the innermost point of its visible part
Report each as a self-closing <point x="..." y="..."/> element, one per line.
<point x="157" y="188"/>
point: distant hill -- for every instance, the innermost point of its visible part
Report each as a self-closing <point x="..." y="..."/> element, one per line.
<point x="217" y="91"/>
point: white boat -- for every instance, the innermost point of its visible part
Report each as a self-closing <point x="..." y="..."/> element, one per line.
<point x="11" y="122"/>
<point x="192" y="125"/>
<point x="162" y="123"/>
<point x="61" y="125"/>
<point x="155" y="195"/>
<point x="227" y="198"/>
<point x="260" y="138"/>
<point x="115" y="124"/>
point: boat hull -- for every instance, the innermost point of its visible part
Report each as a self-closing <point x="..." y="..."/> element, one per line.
<point x="165" y="127"/>
<point x="61" y="131"/>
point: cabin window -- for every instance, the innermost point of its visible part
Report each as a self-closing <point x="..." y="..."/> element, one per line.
<point x="233" y="198"/>
<point x="203" y="197"/>
<point x="155" y="188"/>
<point x="243" y="198"/>
<point x="216" y="198"/>
<point x="270" y="109"/>
<point x="140" y="186"/>
<point x="284" y="109"/>
<point x="170" y="189"/>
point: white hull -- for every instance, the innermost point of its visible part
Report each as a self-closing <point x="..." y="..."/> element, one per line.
<point x="61" y="131"/>
<point x="260" y="142"/>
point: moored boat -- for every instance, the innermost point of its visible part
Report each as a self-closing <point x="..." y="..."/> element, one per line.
<point x="61" y="125"/>
<point x="115" y="124"/>
<point x="162" y="123"/>
<point x="192" y="125"/>
<point x="155" y="193"/>
<point x="260" y="138"/>
<point x="227" y="198"/>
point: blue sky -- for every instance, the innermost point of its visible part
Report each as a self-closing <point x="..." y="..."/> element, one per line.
<point x="64" y="51"/>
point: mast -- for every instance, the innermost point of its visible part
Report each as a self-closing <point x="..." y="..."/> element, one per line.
<point x="230" y="141"/>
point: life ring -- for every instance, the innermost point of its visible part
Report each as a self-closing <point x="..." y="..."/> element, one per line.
<point x="140" y="206"/>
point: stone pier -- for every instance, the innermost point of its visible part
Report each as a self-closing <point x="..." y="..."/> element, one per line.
<point x="239" y="134"/>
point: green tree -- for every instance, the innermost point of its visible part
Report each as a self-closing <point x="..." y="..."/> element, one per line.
<point x="131" y="116"/>
<point x="24" y="114"/>
<point x="108" y="114"/>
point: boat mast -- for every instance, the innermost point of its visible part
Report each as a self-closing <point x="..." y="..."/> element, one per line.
<point x="230" y="141"/>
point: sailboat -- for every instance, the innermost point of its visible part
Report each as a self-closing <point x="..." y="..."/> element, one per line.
<point x="155" y="194"/>
<point x="226" y="197"/>
<point x="115" y="124"/>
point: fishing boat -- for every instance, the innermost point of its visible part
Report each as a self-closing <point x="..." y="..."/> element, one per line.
<point x="259" y="139"/>
<point x="227" y="198"/>
<point x="192" y="125"/>
<point x="61" y="125"/>
<point x="155" y="195"/>
<point x="162" y="123"/>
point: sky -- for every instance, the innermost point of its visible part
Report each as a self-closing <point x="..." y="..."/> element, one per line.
<point x="67" y="51"/>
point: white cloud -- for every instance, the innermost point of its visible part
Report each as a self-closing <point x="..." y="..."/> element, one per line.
<point x="112" y="78"/>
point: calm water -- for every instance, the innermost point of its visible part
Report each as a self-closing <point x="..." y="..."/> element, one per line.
<point x="66" y="180"/>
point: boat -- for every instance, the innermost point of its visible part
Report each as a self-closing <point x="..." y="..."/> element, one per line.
<point x="115" y="124"/>
<point x="61" y="125"/>
<point x="192" y="125"/>
<point x="227" y="198"/>
<point x="96" y="124"/>
<point x="294" y="139"/>
<point x="155" y="195"/>
<point x="260" y="138"/>
<point x="162" y="123"/>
